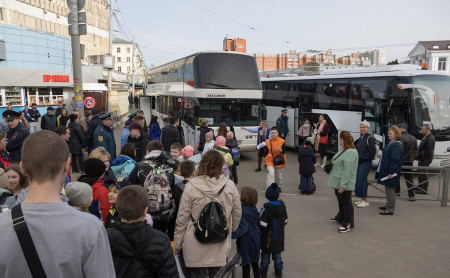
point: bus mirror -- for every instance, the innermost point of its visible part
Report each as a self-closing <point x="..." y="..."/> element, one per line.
<point x="425" y="91"/>
<point x="263" y="112"/>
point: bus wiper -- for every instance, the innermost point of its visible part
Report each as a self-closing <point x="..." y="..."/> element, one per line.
<point x="218" y="85"/>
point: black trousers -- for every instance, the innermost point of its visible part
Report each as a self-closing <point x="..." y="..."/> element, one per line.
<point x="246" y="270"/>
<point x="74" y="159"/>
<point x="424" y="177"/>
<point x="204" y="272"/>
<point x="345" y="215"/>
<point x="409" y="178"/>
<point x="234" y="173"/>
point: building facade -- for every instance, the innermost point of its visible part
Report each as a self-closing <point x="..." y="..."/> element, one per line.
<point x="435" y="54"/>
<point x="237" y="44"/>
<point x="376" y="57"/>
<point x="123" y="53"/>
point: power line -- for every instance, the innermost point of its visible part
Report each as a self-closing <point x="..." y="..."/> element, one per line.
<point x="373" y="46"/>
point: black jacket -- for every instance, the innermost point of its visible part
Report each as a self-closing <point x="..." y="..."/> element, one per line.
<point x="306" y="160"/>
<point x="16" y="136"/>
<point x="141" y="146"/>
<point x="273" y="219"/>
<point x="178" y="190"/>
<point x="58" y="111"/>
<point x="203" y="130"/>
<point x="426" y="148"/>
<point x="34" y="115"/>
<point x="92" y="125"/>
<point x="113" y="217"/>
<point x="170" y="135"/>
<point x="409" y="147"/>
<point x="76" y="140"/>
<point x="141" y="251"/>
<point x="366" y="148"/>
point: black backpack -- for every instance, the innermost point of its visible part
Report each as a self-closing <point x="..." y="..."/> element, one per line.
<point x="211" y="226"/>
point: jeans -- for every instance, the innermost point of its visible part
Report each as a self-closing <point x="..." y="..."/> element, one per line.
<point x="361" y="185"/>
<point x="274" y="175"/>
<point x="204" y="272"/>
<point x="345" y="215"/>
<point x="423" y="178"/>
<point x="306" y="183"/>
<point x="409" y="178"/>
<point x="34" y="126"/>
<point x="265" y="260"/>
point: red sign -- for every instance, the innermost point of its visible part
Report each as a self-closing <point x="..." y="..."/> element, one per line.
<point x="89" y="102"/>
<point x="55" y="78"/>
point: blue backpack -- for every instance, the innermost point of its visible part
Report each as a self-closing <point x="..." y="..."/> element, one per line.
<point x="235" y="153"/>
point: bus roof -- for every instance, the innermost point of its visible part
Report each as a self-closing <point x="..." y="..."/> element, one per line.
<point x="394" y="70"/>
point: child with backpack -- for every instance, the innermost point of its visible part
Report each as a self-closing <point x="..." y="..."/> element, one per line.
<point x="306" y="160"/>
<point x="235" y="152"/>
<point x="247" y="235"/>
<point x="225" y="152"/>
<point x="137" y="249"/>
<point x="273" y="218"/>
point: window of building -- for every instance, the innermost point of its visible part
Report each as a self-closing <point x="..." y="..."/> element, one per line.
<point x="119" y="68"/>
<point x="435" y="46"/>
<point x="118" y="50"/>
<point x="128" y="69"/>
<point x="128" y="59"/>
<point x="119" y="59"/>
<point x="128" y="50"/>
<point x="442" y="63"/>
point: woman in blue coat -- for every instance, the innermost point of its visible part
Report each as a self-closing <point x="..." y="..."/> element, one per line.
<point x="155" y="130"/>
<point x="247" y="234"/>
<point x="263" y="134"/>
<point x="389" y="165"/>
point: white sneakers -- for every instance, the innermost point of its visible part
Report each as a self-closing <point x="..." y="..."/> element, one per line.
<point x="343" y="229"/>
<point x="358" y="200"/>
<point x="362" y="204"/>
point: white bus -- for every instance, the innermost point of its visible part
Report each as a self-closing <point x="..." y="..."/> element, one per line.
<point x="218" y="86"/>
<point x="384" y="96"/>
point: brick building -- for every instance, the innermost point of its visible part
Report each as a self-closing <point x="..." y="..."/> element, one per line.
<point x="237" y="44"/>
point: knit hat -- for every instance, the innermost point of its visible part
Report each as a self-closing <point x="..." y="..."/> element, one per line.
<point x="188" y="151"/>
<point x="310" y="140"/>
<point x="273" y="192"/>
<point x="78" y="193"/>
<point x="4" y="181"/>
<point x="210" y="134"/>
<point x="221" y="141"/>
<point x="95" y="168"/>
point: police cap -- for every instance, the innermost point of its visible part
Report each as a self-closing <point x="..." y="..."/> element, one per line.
<point x="105" y="116"/>
<point x="10" y="115"/>
<point x="132" y="115"/>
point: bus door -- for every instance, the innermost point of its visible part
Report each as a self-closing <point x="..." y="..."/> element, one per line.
<point x="372" y="112"/>
<point x="145" y="104"/>
<point x="291" y="104"/>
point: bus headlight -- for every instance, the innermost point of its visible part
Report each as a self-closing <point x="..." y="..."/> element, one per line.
<point x="250" y="136"/>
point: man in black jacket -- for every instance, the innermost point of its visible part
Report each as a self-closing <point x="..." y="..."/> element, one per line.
<point x="410" y="148"/>
<point x="34" y="115"/>
<point x="16" y="135"/>
<point x="92" y="126"/>
<point x="170" y="134"/>
<point x="425" y="157"/>
<point x="139" y="140"/>
<point x="138" y="250"/>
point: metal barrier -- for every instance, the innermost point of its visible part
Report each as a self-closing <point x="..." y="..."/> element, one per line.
<point x="441" y="173"/>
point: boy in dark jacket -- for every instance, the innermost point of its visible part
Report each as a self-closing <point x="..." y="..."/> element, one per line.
<point x="273" y="218"/>
<point x="113" y="215"/>
<point x="306" y="160"/>
<point x="138" y="250"/>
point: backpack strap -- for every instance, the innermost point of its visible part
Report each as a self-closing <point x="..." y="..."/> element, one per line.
<point x="221" y="149"/>
<point x="26" y="242"/>
<point x="220" y="191"/>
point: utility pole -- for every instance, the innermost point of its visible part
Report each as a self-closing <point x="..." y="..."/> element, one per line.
<point x="110" y="71"/>
<point x="132" y="67"/>
<point x="77" y="27"/>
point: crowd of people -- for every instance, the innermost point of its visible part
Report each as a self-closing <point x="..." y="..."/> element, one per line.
<point x="127" y="208"/>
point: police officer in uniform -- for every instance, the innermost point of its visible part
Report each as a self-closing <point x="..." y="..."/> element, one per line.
<point x="16" y="135"/>
<point x="104" y="135"/>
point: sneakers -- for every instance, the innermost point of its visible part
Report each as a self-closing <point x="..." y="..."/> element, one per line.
<point x="258" y="169"/>
<point x="358" y="200"/>
<point x="333" y="219"/>
<point x="412" y="198"/>
<point x="344" y="229"/>
<point x="363" y="204"/>
<point x="278" y="273"/>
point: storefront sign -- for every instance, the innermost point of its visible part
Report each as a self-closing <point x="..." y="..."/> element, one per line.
<point x="120" y="87"/>
<point x="89" y="102"/>
<point x="55" y="78"/>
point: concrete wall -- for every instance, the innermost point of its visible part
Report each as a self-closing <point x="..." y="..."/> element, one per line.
<point x="119" y="102"/>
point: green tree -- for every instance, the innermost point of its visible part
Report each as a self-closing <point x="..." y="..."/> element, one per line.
<point x="395" y="62"/>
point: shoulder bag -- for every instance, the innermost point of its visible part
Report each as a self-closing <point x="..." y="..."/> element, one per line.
<point x="277" y="160"/>
<point x="329" y="166"/>
<point x="26" y="243"/>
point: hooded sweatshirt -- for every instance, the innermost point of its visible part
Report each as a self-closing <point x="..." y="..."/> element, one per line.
<point x="273" y="219"/>
<point x="248" y="236"/>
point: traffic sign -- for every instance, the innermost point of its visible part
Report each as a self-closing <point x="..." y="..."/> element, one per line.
<point x="89" y="102"/>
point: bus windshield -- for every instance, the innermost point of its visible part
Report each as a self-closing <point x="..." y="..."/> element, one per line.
<point x="226" y="71"/>
<point x="232" y="112"/>
<point x="440" y="84"/>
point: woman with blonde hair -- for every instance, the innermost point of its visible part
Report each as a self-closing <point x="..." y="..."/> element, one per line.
<point x="102" y="154"/>
<point x="389" y="169"/>
<point x="342" y="179"/>
<point x="263" y="134"/>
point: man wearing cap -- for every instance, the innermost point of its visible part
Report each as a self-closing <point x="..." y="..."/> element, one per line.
<point x="139" y="140"/>
<point x="126" y="132"/>
<point x="34" y="115"/>
<point x="48" y="121"/>
<point x="282" y="124"/>
<point x="92" y="126"/>
<point x="16" y="135"/>
<point x="104" y="135"/>
<point x="200" y="137"/>
<point x="410" y="148"/>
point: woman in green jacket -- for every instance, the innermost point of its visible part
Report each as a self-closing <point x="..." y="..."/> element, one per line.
<point x="342" y="178"/>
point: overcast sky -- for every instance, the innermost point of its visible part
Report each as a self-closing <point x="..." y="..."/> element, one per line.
<point x="170" y="29"/>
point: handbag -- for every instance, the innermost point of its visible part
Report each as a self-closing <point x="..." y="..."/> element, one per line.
<point x="26" y="243"/>
<point x="277" y="160"/>
<point x="329" y="166"/>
